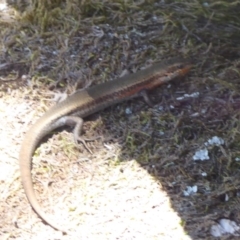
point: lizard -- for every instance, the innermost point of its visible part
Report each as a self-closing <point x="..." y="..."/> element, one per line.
<point x="83" y="103"/>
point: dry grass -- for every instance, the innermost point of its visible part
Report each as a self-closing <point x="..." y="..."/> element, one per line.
<point x="63" y="45"/>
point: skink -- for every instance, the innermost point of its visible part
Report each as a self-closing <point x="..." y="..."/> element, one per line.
<point x="85" y="102"/>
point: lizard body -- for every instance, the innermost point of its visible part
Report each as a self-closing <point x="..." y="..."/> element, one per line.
<point x="86" y="102"/>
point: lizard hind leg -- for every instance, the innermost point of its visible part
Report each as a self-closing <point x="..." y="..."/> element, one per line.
<point x="78" y="122"/>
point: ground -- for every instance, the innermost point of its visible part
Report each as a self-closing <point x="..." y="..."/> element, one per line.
<point x="136" y="183"/>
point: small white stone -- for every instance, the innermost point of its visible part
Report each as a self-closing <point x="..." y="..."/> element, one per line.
<point x="226" y="197"/>
<point x="201" y="155"/>
<point x="216" y="230"/>
<point x="217" y="141"/>
<point x="190" y="190"/>
<point x="128" y="111"/>
<point x="229" y="226"/>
